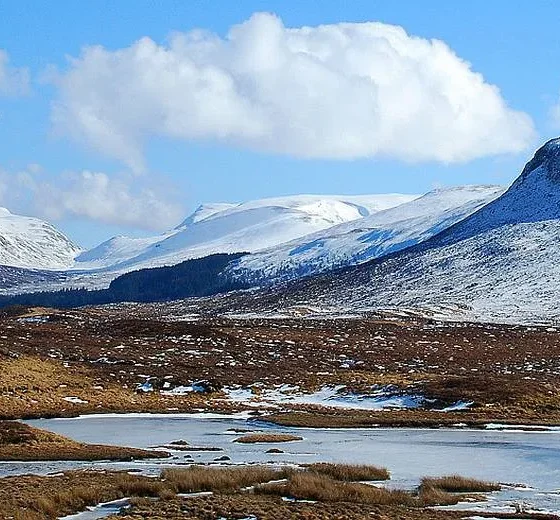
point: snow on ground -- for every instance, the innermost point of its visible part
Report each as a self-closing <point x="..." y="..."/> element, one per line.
<point x="75" y="400"/>
<point x="213" y="228"/>
<point x="499" y="264"/>
<point x="335" y="397"/>
<point x="100" y="511"/>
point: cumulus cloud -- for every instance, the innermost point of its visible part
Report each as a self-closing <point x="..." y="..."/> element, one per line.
<point x="13" y="81"/>
<point x="338" y="91"/>
<point x="121" y="200"/>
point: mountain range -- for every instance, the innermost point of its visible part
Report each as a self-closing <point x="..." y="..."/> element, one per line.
<point x="477" y="252"/>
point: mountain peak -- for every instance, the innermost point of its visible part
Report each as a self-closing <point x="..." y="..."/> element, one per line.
<point x="547" y="157"/>
<point x="204" y="211"/>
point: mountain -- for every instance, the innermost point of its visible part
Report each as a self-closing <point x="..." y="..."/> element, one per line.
<point x="500" y="263"/>
<point x="228" y="228"/>
<point x="32" y="243"/>
<point x="364" y="239"/>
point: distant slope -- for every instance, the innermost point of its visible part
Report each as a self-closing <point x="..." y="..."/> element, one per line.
<point x="501" y="263"/>
<point x="361" y="240"/>
<point x="198" y="277"/>
<point x="32" y="243"/>
<point x="227" y="228"/>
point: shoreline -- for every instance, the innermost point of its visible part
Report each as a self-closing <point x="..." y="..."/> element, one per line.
<point x="329" y="418"/>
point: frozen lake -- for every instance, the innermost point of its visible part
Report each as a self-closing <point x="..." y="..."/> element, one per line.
<point x="514" y="457"/>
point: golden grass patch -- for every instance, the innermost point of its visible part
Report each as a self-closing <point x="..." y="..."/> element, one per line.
<point x="202" y="478"/>
<point x="305" y="485"/>
<point x="350" y="472"/>
<point x="253" y="438"/>
<point x="458" y="484"/>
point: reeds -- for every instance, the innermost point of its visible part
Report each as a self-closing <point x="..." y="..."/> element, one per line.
<point x="306" y="485"/>
<point x="350" y="472"/>
<point x="459" y="484"/>
<point x="202" y="478"/>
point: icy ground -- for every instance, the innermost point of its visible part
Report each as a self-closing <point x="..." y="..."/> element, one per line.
<point x="338" y="396"/>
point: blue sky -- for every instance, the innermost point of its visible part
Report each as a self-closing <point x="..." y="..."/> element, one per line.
<point x="515" y="49"/>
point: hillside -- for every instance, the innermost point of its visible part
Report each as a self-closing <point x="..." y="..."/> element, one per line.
<point x="361" y="240"/>
<point x="501" y="263"/>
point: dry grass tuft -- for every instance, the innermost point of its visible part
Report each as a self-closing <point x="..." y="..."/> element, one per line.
<point x="312" y="486"/>
<point x="69" y="500"/>
<point x="202" y="478"/>
<point x="132" y="485"/>
<point x="350" y="472"/>
<point x="430" y="496"/>
<point x="252" y="438"/>
<point x="458" y="484"/>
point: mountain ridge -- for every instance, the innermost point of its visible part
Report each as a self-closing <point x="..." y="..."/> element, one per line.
<point x="499" y="263"/>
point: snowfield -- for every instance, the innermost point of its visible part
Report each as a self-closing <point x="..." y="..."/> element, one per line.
<point x="473" y="252"/>
<point x="227" y="228"/>
<point x="361" y="240"/>
<point x="32" y="243"/>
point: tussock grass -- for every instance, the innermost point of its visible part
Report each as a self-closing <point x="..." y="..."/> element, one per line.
<point x="431" y="496"/>
<point x="252" y="438"/>
<point x="131" y="485"/>
<point x="313" y="486"/>
<point x="350" y="472"/>
<point x="13" y="433"/>
<point x="201" y="478"/>
<point x="458" y="484"/>
<point x="69" y="500"/>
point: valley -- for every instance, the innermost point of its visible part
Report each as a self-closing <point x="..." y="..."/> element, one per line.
<point x="279" y="260"/>
<point x="101" y="359"/>
<point x="203" y="381"/>
<point x="248" y="361"/>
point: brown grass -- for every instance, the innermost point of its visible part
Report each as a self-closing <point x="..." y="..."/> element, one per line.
<point x="350" y="472"/>
<point x="252" y="438"/>
<point x="132" y="485"/>
<point x="458" y="484"/>
<point x="312" y="486"/>
<point x="71" y="500"/>
<point x="202" y="478"/>
<point x="38" y="498"/>
<point x="431" y="496"/>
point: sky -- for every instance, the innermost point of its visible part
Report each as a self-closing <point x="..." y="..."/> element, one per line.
<point x="122" y="117"/>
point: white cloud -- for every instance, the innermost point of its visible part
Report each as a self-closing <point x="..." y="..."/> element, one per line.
<point x="124" y="201"/>
<point x="13" y="81"/>
<point x="335" y="91"/>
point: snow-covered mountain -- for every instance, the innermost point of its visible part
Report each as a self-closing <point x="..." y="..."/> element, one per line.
<point x="225" y="228"/>
<point x="361" y="240"/>
<point x="501" y="263"/>
<point x="32" y="243"/>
